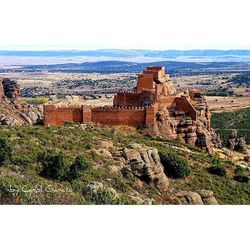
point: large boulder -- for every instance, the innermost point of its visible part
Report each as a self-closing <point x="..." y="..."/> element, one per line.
<point x="144" y="162"/>
<point x="189" y="198"/>
<point x="207" y="197"/>
<point x="202" y="197"/>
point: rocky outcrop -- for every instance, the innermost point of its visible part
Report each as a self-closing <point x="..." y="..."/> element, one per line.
<point x="186" y="118"/>
<point x="10" y="89"/>
<point x="247" y="158"/>
<point x="181" y="127"/>
<point x="202" y="197"/>
<point x="204" y="140"/>
<point x="215" y="139"/>
<point x="13" y="109"/>
<point x="236" y="143"/>
<point x="241" y="145"/>
<point x="207" y="197"/>
<point x="145" y="164"/>
<point x="92" y="187"/>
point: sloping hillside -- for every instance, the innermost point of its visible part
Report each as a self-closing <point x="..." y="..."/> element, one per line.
<point x="100" y="165"/>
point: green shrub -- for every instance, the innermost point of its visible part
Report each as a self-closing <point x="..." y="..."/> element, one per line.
<point x="106" y="197"/>
<point x="217" y="170"/>
<point x="54" y="165"/>
<point x="215" y="161"/>
<point x="102" y="197"/>
<point x="239" y="170"/>
<point x="174" y="165"/>
<point x="5" y="150"/>
<point x="241" y="178"/>
<point x="77" y="167"/>
<point x="22" y="160"/>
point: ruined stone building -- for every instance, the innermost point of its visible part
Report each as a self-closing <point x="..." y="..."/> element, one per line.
<point x="154" y="104"/>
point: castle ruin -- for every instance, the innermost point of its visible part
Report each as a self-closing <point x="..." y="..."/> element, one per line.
<point x="154" y="104"/>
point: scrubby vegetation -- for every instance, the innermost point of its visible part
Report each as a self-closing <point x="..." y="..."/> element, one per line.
<point x="240" y="175"/>
<point x="242" y="79"/>
<point x="25" y="177"/>
<point x="225" y="122"/>
<point x="55" y="166"/>
<point x="217" y="170"/>
<point x="174" y="165"/>
<point x="5" y="151"/>
<point x="79" y="165"/>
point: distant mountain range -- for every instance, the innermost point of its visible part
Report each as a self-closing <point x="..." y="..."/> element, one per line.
<point x="54" y="56"/>
<point x="107" y="67"/>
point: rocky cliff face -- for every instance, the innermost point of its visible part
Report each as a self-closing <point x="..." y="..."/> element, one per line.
<point x="175" y="124"/>
<point x="13" y="109"/>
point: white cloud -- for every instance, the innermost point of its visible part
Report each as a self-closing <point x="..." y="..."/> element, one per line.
<point x="155" y="24"/>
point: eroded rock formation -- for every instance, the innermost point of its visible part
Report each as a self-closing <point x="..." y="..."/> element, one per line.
<point x="175" y="124"/>
<point x="145" y="164"/>
<point x="202" y="197"/>
<point x="236" y="143"/>
<point x="13" y="109"/>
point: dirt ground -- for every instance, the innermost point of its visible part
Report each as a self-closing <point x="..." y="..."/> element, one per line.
<point x="229" y="103"/>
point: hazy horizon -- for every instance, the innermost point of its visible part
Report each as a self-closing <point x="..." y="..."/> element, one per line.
<point x="58" y="48"/>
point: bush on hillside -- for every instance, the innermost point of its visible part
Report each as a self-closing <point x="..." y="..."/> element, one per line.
<point x="174" y="165"/>
<point x="55" y="166"/>
<point x="5" y="151"/>
<point x="241" y="178"/>
<point x="79" y="165"/>
<point x="106" y="197"/>
<point x="217" y="170"/>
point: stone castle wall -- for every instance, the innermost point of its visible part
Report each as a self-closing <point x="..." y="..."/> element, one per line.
<point x="113" y="116"/>
<point x="57" y="116"/>
<point x="134" y="117"/>
<point x="133" y="99"/>
<point x="127" y="99"/>
<point x="145" y="81"/>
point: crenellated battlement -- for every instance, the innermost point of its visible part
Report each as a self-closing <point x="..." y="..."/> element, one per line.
<point x="108" y="108"/>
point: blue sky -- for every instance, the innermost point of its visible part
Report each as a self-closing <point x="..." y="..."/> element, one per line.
<point x="130" y="24"/>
